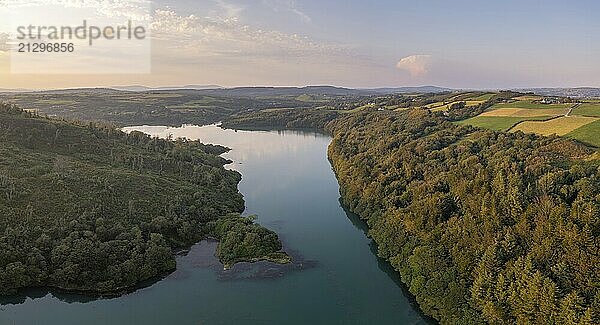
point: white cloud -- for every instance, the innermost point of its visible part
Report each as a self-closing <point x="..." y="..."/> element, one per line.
<point x="231" y="10"/>
<point x="417" y="65"/>
<point x="224" y="50"/>
<point x="229" y="52"/>
<point x="206" y="36"/>
<point x="138" y="10"/>
<point x="287" y="5"/>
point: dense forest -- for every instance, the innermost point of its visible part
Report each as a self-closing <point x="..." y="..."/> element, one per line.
<point x="281" y="119"/>
<point x="483" y="226"/>
<point x="168" y="107"/>
<point x="89" y="208"/>
<point x="318" y="118"/>
<point x="242" y="240"/>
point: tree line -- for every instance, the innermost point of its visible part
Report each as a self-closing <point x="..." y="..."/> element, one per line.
<point x="87" y="207"/>
<point x="483" y="226"/>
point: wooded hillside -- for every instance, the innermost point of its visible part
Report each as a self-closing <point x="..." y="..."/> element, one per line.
<point x="483" y="226"/>
<point x="88" y="207"/>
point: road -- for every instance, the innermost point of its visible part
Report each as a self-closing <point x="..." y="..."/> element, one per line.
<point x="571" y="109"/>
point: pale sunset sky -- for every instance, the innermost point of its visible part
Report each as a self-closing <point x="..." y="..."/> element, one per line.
<point x="353" y="43"/>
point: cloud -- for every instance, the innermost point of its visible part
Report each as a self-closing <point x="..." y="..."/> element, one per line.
<point x="216" y="49"/>
<point x="228" y="37"/>
<point x="229" y="51"/>
<point x="231" y="10"/>
<point x="417" y="65"/>
<point x="137" y="10"/>
<point x="289" y="6"/>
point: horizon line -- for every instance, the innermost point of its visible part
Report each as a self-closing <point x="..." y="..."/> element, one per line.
<point x="215" y="87"/>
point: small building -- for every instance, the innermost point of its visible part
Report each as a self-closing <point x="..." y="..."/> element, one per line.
<point x="550" y="100"/>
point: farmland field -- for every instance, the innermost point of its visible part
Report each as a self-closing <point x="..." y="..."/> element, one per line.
<point x="560" y="126"/>
<point x="446" y="106"/>
<point x="588" y="109"/>
<point x="588" y="133"/>
<point x="524" y="112"/>
<point x="499" y="123"/>
<point x="529" y="98"/>
<point x="484" y="97"/>
<point x="171" y="107"/>
<point x="56" y="102"/>
<point x="526" y="115"/>
<point x="434" y="105"/>
<point x="530" y="105"/>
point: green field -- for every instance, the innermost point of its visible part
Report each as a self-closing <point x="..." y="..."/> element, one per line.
<point x="358" y="109"/>
<point x="588" y="110"/>
<point x="55" y="102"/>
<point x="499" y="123"/>
<point x="444" y="106"/>
<point x="308" y="99"/>
<point x="587" y="134"/>
<point x="528" y="98"/>
<point x="468" y="103"/>
<point x="526" y="112"/>
<point x="434" y="105"/>
<point x="276" y="109"/>
<point x="530" y="105"/>
<point x="559" y="126"/>
<point x="484" y="97"/>
<point x="154" y="108"/>
<point x="526" y="115"/>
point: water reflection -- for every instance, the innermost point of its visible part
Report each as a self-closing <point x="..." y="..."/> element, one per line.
<point x="40" y="293"/>
<point x="199" y="256"/>
<point x="288" y="182"/>
<point x="383" y="265"/>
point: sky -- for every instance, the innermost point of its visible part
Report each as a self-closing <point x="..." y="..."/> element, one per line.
<point x="353" y="43"/>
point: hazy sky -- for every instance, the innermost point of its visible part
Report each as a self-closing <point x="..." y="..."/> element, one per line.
<point x="357" y="43"/>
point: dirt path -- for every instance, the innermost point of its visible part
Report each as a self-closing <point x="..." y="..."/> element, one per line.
<point x="571" y="109"/>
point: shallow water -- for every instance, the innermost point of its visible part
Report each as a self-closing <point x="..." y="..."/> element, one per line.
<point x="288" y="182"/>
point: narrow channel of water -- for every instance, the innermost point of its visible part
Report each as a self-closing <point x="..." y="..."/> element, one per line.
<point x="288" y="182"/>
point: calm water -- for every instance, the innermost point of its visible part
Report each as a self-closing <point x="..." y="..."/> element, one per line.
<point x="288" y="182"/>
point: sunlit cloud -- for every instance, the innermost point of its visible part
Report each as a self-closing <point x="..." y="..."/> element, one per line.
<point x="128" y="9"/>
<point x="231" y="10"/>
<point x="207" y="36"/>
<point x="417" y="65"/>
<point x="289" y="6"/>
<point x="220" y="47"/>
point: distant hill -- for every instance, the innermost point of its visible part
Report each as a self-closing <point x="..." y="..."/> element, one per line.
<point x="155" y="107"/>
<point x="323" y="90"/>
<point x="145" y="88"/>
<point x="287" y="91"/>
<point x="581" y="92"/>
<point x="413" y="90"/>
<point x="13" y="90"/>
<point x="216" y="90"/>
<point x="77" y="91"/>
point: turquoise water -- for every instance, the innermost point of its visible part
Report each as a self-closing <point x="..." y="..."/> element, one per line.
<point x="288" y="182"/>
